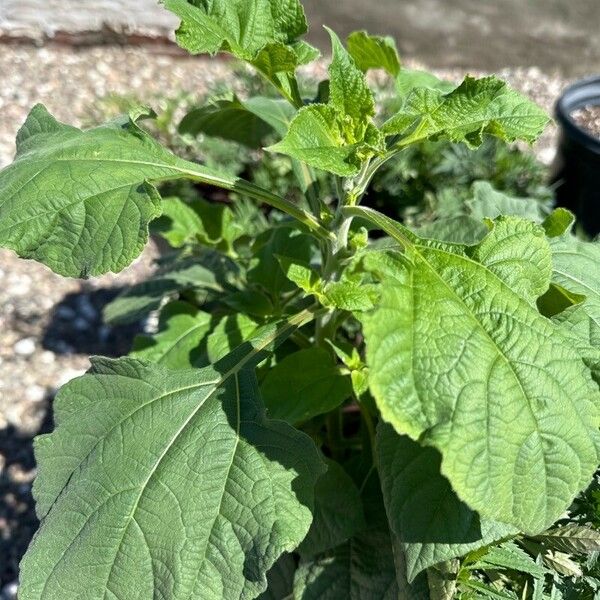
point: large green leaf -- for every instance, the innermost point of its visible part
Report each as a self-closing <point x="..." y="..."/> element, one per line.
<point x="304" y="384"/>
<point x="171" y="484"/>
<point x="374" y="52"/>
<point x="475" y="107"/>
<point x="460" y="359"/>
<point x="349" y="92"/>
<point x="80" y="201"/>
<point x="242" y="27"/>
<point x="188" y="337"/>
<point x="424" y="513"/>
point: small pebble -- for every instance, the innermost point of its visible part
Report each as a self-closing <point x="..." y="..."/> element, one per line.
<point x="9" y="591"/>
<point x="65" y="313"/>
<point x="47" y="357"/>
<point x="81" y="324"/>
<point x="25" y="347"/>
<point x="86" y="308"/>
<point x="35" y="393"/>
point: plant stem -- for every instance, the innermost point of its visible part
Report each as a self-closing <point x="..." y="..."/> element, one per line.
<point x="368" y="421"/>
<point x="236" y="184"/>
<point x="392" y="228"/>
<point x="295" y="92"/>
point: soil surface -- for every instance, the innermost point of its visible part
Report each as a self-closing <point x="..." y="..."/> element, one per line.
<point x="588" y="118"/>
<point x="50" y="325"/>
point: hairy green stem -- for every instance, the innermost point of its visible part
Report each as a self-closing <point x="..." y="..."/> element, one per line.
<point x="391" y="227"/>
<point x="241" y="186"/>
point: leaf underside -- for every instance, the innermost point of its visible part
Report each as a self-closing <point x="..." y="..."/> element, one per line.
<point x="171" y="484"/>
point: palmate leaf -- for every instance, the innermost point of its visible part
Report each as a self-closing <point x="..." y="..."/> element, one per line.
<point x="424" y="513"/>
<point x="572" y="539"/>
<point x="509" y="556"/>
<point x="460" y="359"/>
<point x="171" y="484"/>
<point x="475" y="107"/>
<point x="486" y="591"/>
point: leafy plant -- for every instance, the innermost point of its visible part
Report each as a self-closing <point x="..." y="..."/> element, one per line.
<point x="322" y="413"/>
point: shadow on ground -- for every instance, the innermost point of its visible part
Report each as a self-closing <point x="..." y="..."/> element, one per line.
<point x="75" y="327"/>
<point x="18" y="522"/>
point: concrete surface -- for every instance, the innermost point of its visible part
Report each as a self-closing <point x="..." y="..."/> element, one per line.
<point x="562" y="35"/>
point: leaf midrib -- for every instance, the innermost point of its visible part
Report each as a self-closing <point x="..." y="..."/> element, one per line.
<point x="233" y="370"/>
<point x="499" y="350"/>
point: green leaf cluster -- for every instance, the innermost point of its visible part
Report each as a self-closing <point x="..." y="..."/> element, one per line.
<point x="333" y="403"/>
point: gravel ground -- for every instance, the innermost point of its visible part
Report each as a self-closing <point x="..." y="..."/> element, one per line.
<point x="49" y="325"/>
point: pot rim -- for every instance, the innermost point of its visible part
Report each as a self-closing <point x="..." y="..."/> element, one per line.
<point x="581" y="93"/>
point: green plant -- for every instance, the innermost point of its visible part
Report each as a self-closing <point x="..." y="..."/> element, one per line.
<point x="320" y="414"/>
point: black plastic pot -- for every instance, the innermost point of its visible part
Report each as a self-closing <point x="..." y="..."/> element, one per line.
<point x="577" y="166"/>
